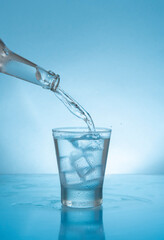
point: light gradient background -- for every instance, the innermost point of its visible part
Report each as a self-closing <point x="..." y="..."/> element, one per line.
<point x="110" y="56"/>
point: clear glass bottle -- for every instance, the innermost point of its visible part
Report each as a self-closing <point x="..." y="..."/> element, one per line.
<point x="17" y="66"/>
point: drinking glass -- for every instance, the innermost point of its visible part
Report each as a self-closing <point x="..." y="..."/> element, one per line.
<point x="81" y="157"/>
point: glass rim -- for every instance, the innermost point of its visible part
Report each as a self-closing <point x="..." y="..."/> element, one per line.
<point x="80" y="130"/>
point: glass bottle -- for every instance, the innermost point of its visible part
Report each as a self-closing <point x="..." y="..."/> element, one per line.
<point x="17" y="66"/>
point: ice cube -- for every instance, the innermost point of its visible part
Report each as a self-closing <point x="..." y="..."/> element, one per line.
<point x="94" y="158"/>
<point x="96" y="144"/>
<point x="75" y="155"/>
<point x="65" y="164"/>
<point x="95" y="173"/>
<point x="81" y="163"/>
<point x="88" y="144"/>
<point x="64" y="147"/>
<point x="90" y="158"/>
<point x="83" y="171"/>
<point x="71" y="178"/>
<point x="82" y="166"/>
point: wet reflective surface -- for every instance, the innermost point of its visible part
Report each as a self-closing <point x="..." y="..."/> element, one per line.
<point x="30" y="208"/>
<point x="81" y="224"/>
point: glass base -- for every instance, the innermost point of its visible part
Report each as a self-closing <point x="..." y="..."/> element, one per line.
<point x="78" y="198"/>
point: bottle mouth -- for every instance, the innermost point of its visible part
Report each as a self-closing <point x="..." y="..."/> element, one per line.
<point x="48" y="80"/>
<point x="55" y="83"/>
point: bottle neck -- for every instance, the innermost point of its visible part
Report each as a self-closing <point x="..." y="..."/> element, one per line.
<point x="19" y="67"/>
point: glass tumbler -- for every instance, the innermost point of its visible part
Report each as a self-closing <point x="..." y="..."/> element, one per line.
<point x="81" y="157"/>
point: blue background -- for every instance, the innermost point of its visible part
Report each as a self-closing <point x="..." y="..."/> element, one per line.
<point x="110" y="56"/>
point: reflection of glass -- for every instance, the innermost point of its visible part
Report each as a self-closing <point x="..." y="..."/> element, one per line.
<point x="81" y="156"/>
<point x="79" y="224"/>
